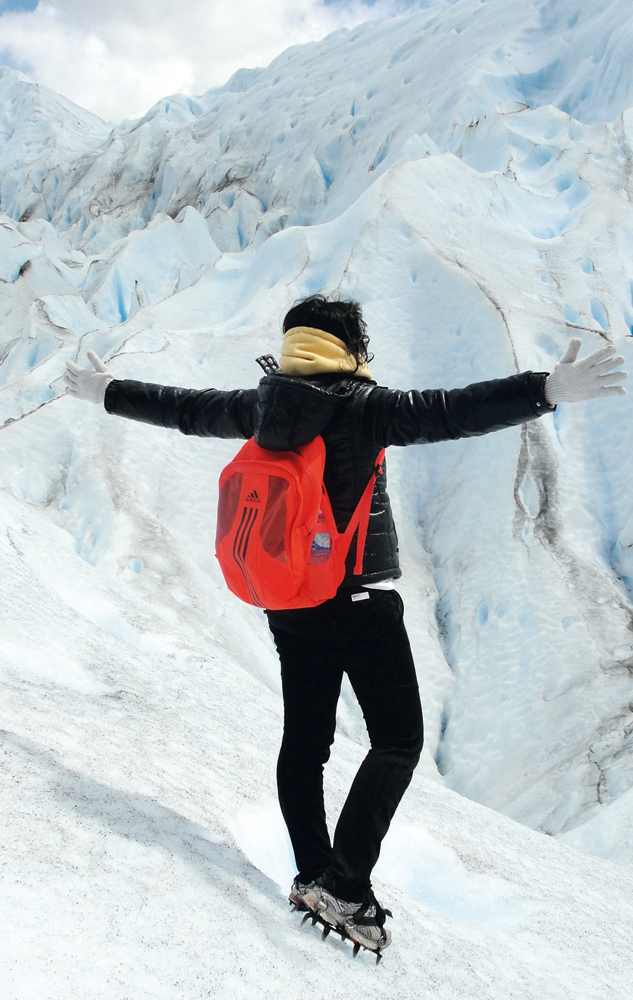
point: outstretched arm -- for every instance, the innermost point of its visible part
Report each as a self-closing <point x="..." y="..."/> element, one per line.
<point x="205" y="412"/>
<point x="393" y="417"/>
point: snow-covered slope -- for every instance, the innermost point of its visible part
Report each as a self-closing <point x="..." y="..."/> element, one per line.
<point x="142" y="707"/>
<point x="142" y="858"/>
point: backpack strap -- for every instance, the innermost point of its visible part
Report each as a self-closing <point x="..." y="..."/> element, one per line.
<point x="360" y="517"/>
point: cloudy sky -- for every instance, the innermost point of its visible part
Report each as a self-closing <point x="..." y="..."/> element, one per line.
<point x="118" y="57"/>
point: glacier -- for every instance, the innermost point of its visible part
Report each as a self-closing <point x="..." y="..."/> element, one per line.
<point x="465" y="171"/>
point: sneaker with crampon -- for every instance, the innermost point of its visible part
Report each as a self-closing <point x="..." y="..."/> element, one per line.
<point x="363" y="923"/>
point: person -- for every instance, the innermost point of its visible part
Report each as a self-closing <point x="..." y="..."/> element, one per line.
<point x="325" y="387"/>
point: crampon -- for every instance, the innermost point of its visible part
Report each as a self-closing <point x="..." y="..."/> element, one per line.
<point x="317" y="916"/>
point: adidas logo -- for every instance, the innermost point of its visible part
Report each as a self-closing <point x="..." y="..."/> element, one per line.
<point x="252" y="498"/>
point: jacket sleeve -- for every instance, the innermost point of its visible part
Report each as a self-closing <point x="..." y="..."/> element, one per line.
<point x="394" y="417"/>
<point x="205" y="412"/>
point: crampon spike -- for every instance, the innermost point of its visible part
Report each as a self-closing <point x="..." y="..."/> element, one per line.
<point x="378" y="957"/>
<point x="315" y="918"/>
<point x="326" y="931"/>
<point x="356" y="949"/>
<point x="307" y="917"/>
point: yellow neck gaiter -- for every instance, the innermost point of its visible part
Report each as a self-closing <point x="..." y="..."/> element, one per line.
<point x="307" y="351"/>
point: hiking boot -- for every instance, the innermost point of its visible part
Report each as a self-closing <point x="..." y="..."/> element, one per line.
<point x="363" y="923"/>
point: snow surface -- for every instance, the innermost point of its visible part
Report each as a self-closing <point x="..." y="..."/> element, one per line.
<point x="466" y="173"/>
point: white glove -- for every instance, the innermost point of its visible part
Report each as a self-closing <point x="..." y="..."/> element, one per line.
<point x="84" y="384"/>
<point x="573" y="381"/>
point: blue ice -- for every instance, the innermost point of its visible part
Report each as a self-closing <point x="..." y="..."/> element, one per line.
<point x="482" y="613"/>
<point x="599" y="313"/>
<point x="564" y="182"/>
<point x="539" y="157"/>
<point x="382" y="152"/>
<point x="532" y="87"/>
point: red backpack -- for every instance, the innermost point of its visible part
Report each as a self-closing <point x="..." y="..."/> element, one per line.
<point x="276" y="541"/>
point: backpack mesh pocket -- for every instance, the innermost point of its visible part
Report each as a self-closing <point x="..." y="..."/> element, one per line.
<point x="272" y="534"/>
<point x="228" y="502"/>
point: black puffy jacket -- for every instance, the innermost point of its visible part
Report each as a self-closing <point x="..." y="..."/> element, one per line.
<point x="356" y="418"/>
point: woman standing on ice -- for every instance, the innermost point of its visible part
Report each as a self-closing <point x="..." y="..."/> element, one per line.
<point x="325" y="387"/>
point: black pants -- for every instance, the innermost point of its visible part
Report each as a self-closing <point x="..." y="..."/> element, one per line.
<point x="367" y="639"/>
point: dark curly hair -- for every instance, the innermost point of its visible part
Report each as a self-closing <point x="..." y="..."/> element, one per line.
<point x="342" y="318"/>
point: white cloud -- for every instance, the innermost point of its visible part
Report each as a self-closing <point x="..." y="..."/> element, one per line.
<point x="118" y="57"/>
